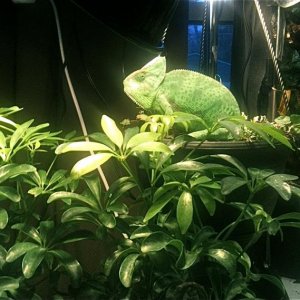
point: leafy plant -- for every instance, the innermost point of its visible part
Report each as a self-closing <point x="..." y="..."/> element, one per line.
<point x="160" y="215"/>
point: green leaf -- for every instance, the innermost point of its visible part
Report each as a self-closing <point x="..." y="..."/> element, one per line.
<point x="28" y="230"/>
<point x="118" y="207"/>
<point x="278" y="183"/>
<point x="118" y="188"/>
<point x="3" y="218"/>
<point x="117" y="255"/>
<point x="208" y="200"/>
<point x="89" y="164"/>
<point x="155" y="242"/>
<point x="276" y="134"/>
<point x="57" y="177"/>
<point x="225" y="258"/>
<point x="184" y="212"/>
<point x="275" y="281"/>
<point x="95" y="187"/>
<point x="141" y="232"/>
<point x="81" y="146"/>
<point x="19" y="133"/>
<point x="127" y="268"/>
<point x="12" y="170"/>
<point x="160" y="203"/>
<point x="107" y="219"/>
<point x="112" y="131"/>
<point x="289" y="216"/>
<point x="2" y="140"/>
<point x="3" y="254"/>
<point x="152" y="146"/>
<point x="75" y="213"/>
<point x="9" y="193"/>
<point x="204" y="181"/>
<point x="8" y="283"/>
<point x="18" y="250"/>
<point x="231" y="183"/>
<point x="32" y="260"/>
<point x="188" y="165"/>
<point x="233" y="161"/>
<point x="70" y="264"/>
<point x="73" y="196"/>
<point x="141" y="138"/>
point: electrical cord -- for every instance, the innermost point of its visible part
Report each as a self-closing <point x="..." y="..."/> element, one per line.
<point x="273" y="56"/>
<point x="71" y="88"/>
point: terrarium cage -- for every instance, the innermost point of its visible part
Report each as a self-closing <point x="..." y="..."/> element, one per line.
<point x="278" y="98"/>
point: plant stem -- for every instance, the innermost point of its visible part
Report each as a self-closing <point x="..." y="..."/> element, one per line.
<point x="234" y="224"/>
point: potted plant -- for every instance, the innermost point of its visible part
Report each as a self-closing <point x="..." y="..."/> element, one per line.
<point x="159" y="216"/>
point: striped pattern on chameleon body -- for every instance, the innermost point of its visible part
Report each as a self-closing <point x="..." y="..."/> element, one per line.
<point x="196" y="93"/>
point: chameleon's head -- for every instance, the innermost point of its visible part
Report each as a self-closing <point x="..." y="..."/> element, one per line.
<point x="141" y="86"/>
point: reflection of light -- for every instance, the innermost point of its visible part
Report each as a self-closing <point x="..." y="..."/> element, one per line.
<point x="287" y="3"/>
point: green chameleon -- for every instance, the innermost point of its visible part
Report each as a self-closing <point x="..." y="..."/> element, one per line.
<point x="156" y="91"/>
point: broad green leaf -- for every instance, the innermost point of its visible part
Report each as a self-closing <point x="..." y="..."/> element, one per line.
<point x="117" y="255"/>
<point x="95" y="187"/>
<point x="9" y="193"/>
<point x="73" y="196"/>
<point x="89" y="164"/>
<point x="3" y="218"/>
<point x="47" y="230"/>
<point x="225" y="258"/>
<point x="155" y="242"/>
<point x="160" y="203"/>
<point x="129" y="133"/>
<point x="233" y="161"/>
<point x="141" y="138"/>
<point x="57" y="177"/>
<point x="188" y="165"/>
<point x="290" y="224"/>
<point x="235" y="288"/>
<point x="141" y="232"/>
<point x="107" y="219"/>
<point x="295" y="191"/>
<point x="118" y="207"/>
<point x="273" y="227"/>
<point x="8" y="121"/>
<point x="205" y="181"/>
<point x="184" y="212"/>
<point x="32" y="260"/>
<point x="276" y="134"/>
<point x="152" y="146"/>
<point x="19" y="133"/>
<point x="81" y="146"/>
<point x="278" y="183"/>
<point x="3" y="254"/>
<point x="18" y="250"/>
<point x="8" y="283"/>
<point x="127" y="268"/>
<point x="12" y="170"/>
<point x="207" y="199"/>
<point x="289" y="216"/>
<point x="119" y="188"/>
<point x="75" y="213"/>
<point x="275" y="281"/>
<point x="260" y="173"/>
<point x="28" y="230"/>
<point x="70" y="264"/>
<point x="231" y="183"/>
<point x="112" y="131"/>
<point x="2" y="140"/>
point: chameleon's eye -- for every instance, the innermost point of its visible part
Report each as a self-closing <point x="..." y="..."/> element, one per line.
<point x="140" y="77"/>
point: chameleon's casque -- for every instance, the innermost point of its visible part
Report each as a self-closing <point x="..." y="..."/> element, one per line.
<point x="156" y="91"/>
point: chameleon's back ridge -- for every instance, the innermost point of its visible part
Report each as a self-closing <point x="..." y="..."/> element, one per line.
<point x="179" y="90"/>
